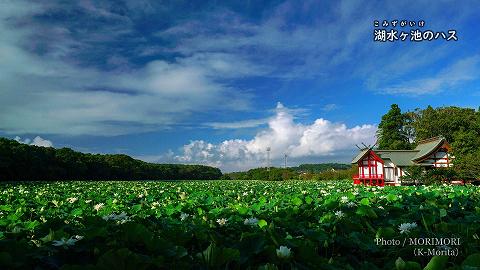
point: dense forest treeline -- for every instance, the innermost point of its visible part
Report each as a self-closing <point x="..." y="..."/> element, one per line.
<point x="321" y="167"/>
<point x="460" y="126"/>
<point x="27" y="162"/>
<point x="326" y="171"/>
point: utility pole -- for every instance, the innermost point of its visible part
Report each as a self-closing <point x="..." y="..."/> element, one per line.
<point x="286" y="160"/>
<point x="268" y="158"/>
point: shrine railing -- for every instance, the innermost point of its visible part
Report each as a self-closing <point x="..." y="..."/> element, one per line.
<point x="371" y="176"/>
<point x="371" y="180"/>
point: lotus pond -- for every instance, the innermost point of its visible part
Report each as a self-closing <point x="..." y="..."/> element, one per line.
<point x="237" y="225"/>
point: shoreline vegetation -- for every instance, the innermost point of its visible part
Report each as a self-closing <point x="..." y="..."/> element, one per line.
<point x="22" y="162"/>
<point x="25" y="163"/>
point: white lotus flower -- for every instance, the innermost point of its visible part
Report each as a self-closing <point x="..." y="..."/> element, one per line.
<point x="339" y="214"/>
<point x="98" y="206"/>
<point x="222" y="221"/>
<point x="406" y="227"/>
<point x="155" y="205"/>
<point x="78" y="237"/>
<point x="351" y="204"/>
<point x="284" y="252"/>
<point x="184" y="216"/>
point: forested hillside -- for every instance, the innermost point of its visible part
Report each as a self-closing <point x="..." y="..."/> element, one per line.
<point x="321" y="167"/>
<point x="327" y="171"/>
<point x="27" y="162"/>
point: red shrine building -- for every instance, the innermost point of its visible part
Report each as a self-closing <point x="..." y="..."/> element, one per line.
<point x="385" y="167"/>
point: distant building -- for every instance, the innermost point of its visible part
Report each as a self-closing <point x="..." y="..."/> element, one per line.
<point x="385" y="167"/>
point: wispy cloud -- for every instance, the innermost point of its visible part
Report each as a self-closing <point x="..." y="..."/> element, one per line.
<point x="46" y="92"/>
<point x="461" y="71"/>
<point x="329" y="107"/>
<point x="292" y="51"/>
<point x="238" y="124"/>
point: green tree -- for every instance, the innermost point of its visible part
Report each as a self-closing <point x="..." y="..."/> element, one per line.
<point x="468" y="166"/>
<point x="465" y="142"/>
<point x="445" y="121"/>
<point x="392" y="132"/>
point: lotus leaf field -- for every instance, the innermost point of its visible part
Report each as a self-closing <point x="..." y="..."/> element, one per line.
<point x="235" y="225"/>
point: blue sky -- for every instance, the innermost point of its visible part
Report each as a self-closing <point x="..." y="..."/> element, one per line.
<point x="217" y="82"/>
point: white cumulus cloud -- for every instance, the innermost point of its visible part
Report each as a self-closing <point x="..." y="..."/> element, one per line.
<point x="322" y="138"/>
<point x="37" y="141"/>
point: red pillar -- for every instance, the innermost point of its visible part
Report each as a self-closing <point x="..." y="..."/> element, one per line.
<point x="370" y="170"/>
<point x="363" y="172"/>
